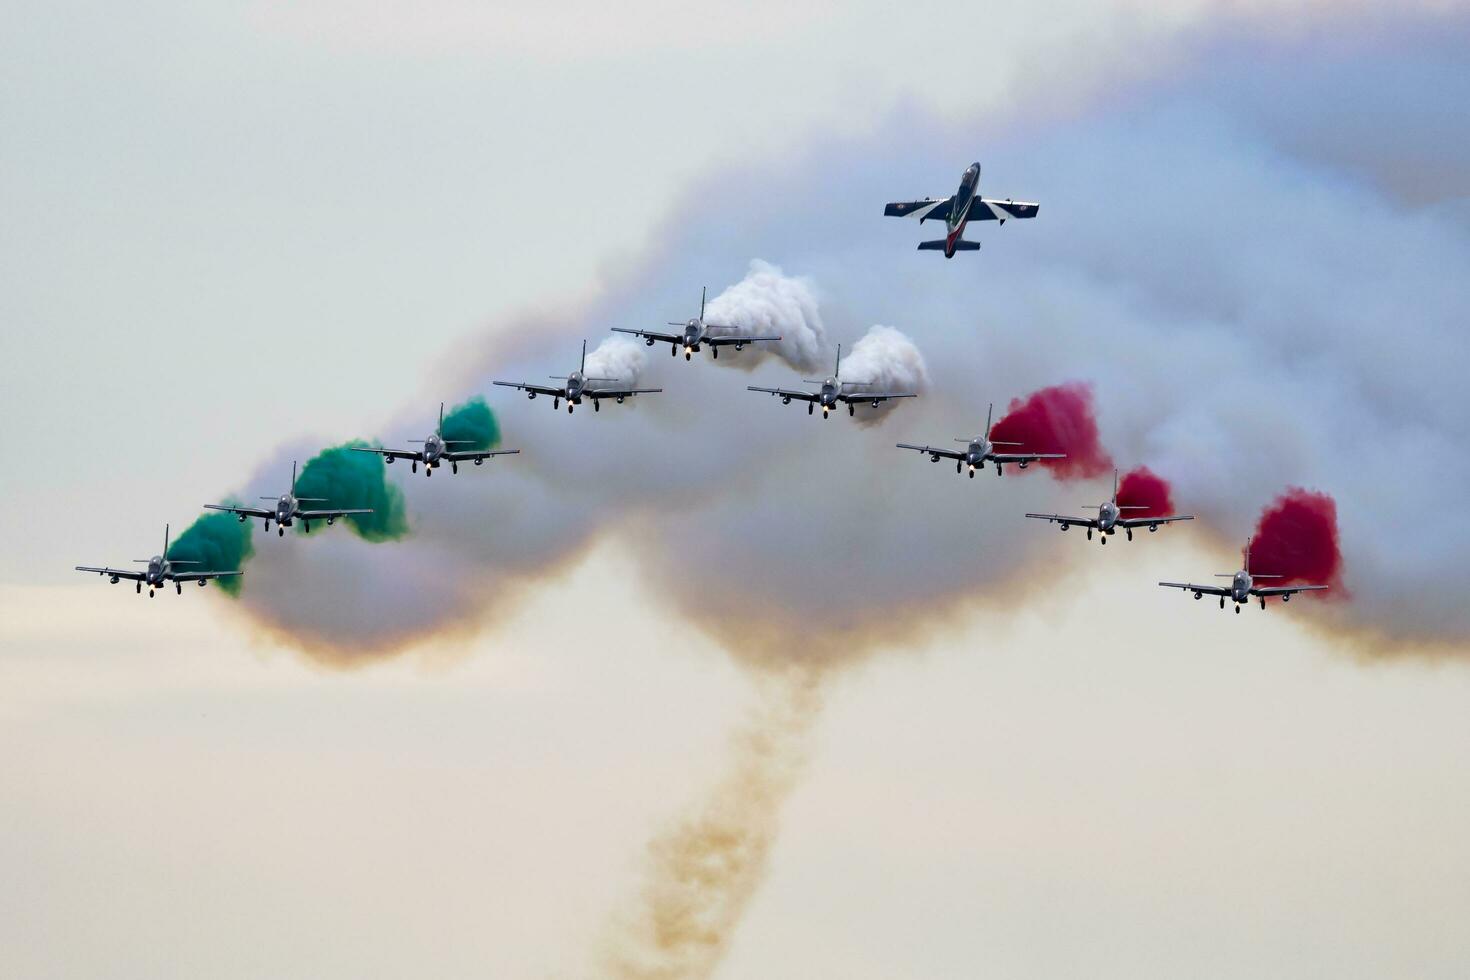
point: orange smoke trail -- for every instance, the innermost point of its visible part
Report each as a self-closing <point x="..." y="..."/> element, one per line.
<point x="704" y="869"/>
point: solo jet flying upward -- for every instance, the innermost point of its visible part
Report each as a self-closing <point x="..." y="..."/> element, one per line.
<point x="957" y="211"/>
<point x="159" y="572"/>
<point x="1243" y="586"/>
<point x="834" y="390"/>
<point x="1109" y="518"/>
<point x="288" y="509"/>
<point x="436" y="451"/>
<point x="696" y="332"/>
<point x="577" y="386"/>
<point x="980" y="448"/>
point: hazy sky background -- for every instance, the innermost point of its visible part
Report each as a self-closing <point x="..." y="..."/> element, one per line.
<point x="235" y="226"/>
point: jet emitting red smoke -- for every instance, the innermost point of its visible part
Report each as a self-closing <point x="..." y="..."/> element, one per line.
<point x="1142" y="487"/>
<point x="1296" y="538"/>
<point x="1058" y="419"/>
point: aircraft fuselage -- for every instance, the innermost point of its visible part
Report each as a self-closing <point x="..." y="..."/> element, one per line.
<point x="959" y="211"/>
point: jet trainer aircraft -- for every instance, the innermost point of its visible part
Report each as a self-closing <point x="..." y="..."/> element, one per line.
<point x="695" y="332"/>
<point x="834" y="390"/>
<point x="159" y="572"/>
<point x="288" y="509"/>
<point x="1243" y="586"/>
<point x="980" y="448"/>
<point x="436" y="451"/>
<point x="957" y="211"/>
<point x="1109" y="518"/>
<point x="577" y="386"/>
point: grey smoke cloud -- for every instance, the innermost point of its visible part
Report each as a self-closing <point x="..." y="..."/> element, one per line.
<point x="1251" y="318"/>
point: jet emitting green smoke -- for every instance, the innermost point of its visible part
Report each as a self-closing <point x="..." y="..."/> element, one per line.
<point x="472" y="422"/>
<point x="343" y="478"/>
<point x="219" y="543"/>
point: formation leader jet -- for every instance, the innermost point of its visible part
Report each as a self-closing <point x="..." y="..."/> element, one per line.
<point x="576" y="386"/>
<point x="834" y="390"/>
<point x="1110" y="517"/>
<point x="1243" y="586"/>
<point x="957" y="211"/>
<point x="696" y="332"/>
<point x="158" y="571"/>
<point x="437" y="451"/>
<point x="288" y="509"/>
<point x="978" y="449"/>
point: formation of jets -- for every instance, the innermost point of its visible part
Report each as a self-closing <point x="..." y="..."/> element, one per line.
<point x="576" y="388"/>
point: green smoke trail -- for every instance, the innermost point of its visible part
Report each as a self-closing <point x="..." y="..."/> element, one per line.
<point x="219" y="543"/>
<point x="343" y="478"/>
<point x="474" y="422"/>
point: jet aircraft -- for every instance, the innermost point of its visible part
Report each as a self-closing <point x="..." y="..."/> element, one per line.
<point x="696" y="332"/>
<point x="159" y="571"/>
<point x="959" y="210"/>
<point x="1109" y="518"/>
<point x="834" y="390"/>
<point x="979" y="449"/>
<point x="1243" y="586"/>
<point x="577" y="385"/>
<point x="437" y="451"/>
<point x="288" y="510"/>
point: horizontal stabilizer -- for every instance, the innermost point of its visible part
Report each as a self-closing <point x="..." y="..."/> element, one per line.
<point x="938" y="246"/>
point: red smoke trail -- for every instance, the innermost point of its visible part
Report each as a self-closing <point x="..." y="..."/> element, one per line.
<point x="1056" y="420"/>
<point x="1296" y="538"/>
<point x="1145" y="488"/>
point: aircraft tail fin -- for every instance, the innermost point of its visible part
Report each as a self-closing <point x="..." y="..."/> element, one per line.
<point x="702" y="291"/>
<point x="938" y="246"/>
<point x="837" y="366"/>
<point x="293" y="477"/>
<point x="164" y="552"/>
<point x="989" y="411"/>
<point x="583" y="367"/>
<point x="440" y="430"/>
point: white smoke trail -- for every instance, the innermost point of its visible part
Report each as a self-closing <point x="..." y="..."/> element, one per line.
<point x="884" y="360"/>
<point x="769" y="303"/>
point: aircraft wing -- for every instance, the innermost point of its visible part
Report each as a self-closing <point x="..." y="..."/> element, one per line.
<point x="246" y="511"/>
<point x="456" y="457"/>
<point x="117" y="572"/>
<point x="1025" y="457"/>
<point x="858" y="397"/>
<point x="1286" y="589"/>
<point x="390" y="453"/>
<point x="537" y="389"/>
<point x="1200" y="589"/>
<point x="1066" y="521"/>
<point x="985" y="209"/>
<point x="667" y="338"/>
<point x="595" y="393"/>
<point x="1148" y="521"/>
<point x="201" y="576"/>
<point x="936" y="208"/>
<point x="726" y="341"/>
<point x="317" y="515"/>
<point x="806" y="396"/>
<point x="934" y="451"/>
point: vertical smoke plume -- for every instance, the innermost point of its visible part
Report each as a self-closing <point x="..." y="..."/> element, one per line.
<point x="1296" y="538"/>
<point x="1058" y="419"/>
<point x="619" y="358"/>
<point x="884" y="359"/>
<point x="471" y="426"/>
<point x="769" y="303"/>
<point x="703" y="870"/>
<point x="341" y="478"/>
<point x="217" y="542"/>
<point x="1142" y="487"/>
